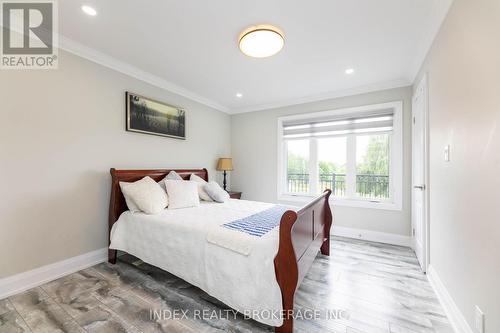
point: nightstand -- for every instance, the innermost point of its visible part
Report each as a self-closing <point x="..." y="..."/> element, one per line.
<point x="234" y="195"/>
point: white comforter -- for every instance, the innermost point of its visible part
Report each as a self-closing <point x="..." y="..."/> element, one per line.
<point x="175" y="241"/>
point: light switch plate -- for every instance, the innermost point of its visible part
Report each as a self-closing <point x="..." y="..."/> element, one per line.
<point x="447" y="153"/>
<point x="479" y="320"/>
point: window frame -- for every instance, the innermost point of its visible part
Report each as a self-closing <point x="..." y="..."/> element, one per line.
<point x="395" y="164"/>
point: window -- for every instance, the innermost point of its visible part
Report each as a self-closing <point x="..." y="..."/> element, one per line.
<point x="357" y="153"/>
<point x="372" y="166"/>
<point x="332" y="163"/>
<point x="298" y="166"/>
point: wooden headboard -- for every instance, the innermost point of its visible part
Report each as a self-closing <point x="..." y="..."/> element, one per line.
<point x="117" y="203"/>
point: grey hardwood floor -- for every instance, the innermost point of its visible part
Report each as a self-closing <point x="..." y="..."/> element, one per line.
<point x="362" y="287"/>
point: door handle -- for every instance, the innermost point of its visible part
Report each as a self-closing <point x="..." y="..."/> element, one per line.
<point x="420" y="187"/>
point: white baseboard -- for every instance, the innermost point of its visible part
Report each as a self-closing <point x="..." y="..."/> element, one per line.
<point x="451" y="309"/>
<point x="374" y="236"/>
<point x="23" y="281"/>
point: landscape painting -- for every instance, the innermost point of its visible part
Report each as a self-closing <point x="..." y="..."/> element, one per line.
<point x="145" y="115"/>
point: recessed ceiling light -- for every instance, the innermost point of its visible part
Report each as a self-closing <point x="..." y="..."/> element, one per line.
<point x="239" y="95"/>
<point x="89" y="10"/>
<point x="261" y="41"/>
<point x="349" y="71"/>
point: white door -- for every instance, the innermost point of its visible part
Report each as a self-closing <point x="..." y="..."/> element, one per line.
<point x="419" y="174"/>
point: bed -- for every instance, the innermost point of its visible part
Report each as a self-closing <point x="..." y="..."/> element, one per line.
<point x="263" y="280"/>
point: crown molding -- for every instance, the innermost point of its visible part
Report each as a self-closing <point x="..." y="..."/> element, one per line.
<point x="328" y="95"/>
<point x="105" y="60"/>
<point x="440" y="9"/>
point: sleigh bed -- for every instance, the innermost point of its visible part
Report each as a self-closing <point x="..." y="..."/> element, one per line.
<point x="301" y="234"/>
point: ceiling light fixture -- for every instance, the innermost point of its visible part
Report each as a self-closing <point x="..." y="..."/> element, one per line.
<point x="239" y="95"/>
<point x="89" y="10"/>
<point x="261" y="41"/>
<point x="349" y="71"/>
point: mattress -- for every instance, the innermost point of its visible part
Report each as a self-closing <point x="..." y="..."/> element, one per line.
<point x="176" y="241"/>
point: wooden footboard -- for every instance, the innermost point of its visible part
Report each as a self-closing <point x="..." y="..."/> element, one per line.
<point x="302" y="235"/>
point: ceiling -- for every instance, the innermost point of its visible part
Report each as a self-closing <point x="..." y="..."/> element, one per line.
<point x="190" y="47"/>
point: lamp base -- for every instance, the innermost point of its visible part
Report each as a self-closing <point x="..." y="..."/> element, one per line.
<point x="224" y="184"/>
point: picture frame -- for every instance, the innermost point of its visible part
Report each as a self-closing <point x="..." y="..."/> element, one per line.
<point x="149" y="116"/>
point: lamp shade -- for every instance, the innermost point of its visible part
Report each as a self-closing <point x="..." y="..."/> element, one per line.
<point x="225" y="164"/>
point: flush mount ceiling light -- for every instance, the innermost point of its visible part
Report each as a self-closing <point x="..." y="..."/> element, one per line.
<point x="349" y="71"/>
<point x="89" y="10"/>
<point x="239" y="95"/>
<point x="261" y="41"/>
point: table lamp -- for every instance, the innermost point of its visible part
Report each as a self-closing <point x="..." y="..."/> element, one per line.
<point x="225" y="164"/>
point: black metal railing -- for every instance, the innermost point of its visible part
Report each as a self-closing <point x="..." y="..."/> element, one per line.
<point x="372" y="186"/>
<point x="298" y="183"/>
<point x="335" y="182"/>
<point x="367" y="186"/>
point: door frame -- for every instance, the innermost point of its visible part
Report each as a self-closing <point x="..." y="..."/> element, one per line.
<point x="423" y="85"/>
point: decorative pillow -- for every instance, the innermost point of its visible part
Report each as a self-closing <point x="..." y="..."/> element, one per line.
<point x="216" y="192"/>
<point x="201" y="183"/>
<point x="147" y="195"/>
<point x="130" y="203"/>
<point x="172" y="175"/>
<point x="162" y="184"/>
<point x="182" y="194"/>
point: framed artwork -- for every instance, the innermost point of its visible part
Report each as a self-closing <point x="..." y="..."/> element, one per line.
<point x="148" y="116"/>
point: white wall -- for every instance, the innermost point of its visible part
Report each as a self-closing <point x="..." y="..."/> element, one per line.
<point x="463" y="68"/>
<point x="254" y="150"/>
<point x="60" y="132"/>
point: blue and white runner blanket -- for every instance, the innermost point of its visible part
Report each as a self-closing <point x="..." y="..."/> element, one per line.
<point x="240" y="235"/>
<point x="260" y="223"/>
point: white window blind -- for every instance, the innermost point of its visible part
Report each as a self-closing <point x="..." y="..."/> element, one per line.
<point x="356" y="152"/>
<point x="372" y="122"/>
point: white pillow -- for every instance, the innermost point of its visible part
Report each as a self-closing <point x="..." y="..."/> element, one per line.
<point x="172" y="175"/>
<point x="130" y="203"/>
<point x="216" y="192"/>
<point x="201" y="183"/>
<point x="147" y="195"/>
<point x="182" y="194"/>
